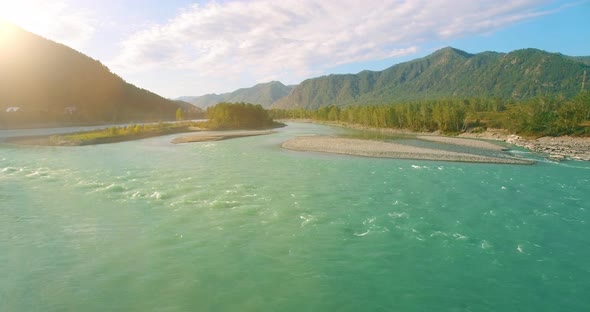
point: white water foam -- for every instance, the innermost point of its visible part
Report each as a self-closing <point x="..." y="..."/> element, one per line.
<point x="33" y="174"/>
<point x="363" y="234"/>
<point x="369" y="220"/>
<point x="156" y="195"/>
<point x="306" y="219"/>
<point x="491" y="213"/>
<point x="9" y="170"/>
<point x="398" y="215"/>
<point x="459" y="236"/>
<point x="439" y="233"/>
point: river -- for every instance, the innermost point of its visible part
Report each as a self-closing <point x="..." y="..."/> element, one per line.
<point x="243" y="225"/>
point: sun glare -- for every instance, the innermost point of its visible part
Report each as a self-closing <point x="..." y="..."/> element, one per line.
<point x="6" y="30"/>
<point x="18" y="13"/>
<point x="9" y="11"/>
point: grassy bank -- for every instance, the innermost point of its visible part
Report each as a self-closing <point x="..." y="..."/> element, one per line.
<point x="108" y="135"/>
<point x="127" y="133"/>
<point x="120" y="134"/>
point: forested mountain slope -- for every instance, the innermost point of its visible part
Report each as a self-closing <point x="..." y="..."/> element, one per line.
<point x="46" y="83"/>
<point x="263" y="93"/>
<point x="447" y="73"/>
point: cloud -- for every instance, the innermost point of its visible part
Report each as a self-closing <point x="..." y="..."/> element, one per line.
<point x="293" y="39"/>
<point x="56" y="20"/>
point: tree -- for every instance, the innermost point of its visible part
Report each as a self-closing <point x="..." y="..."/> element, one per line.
<point x="333" y="113"/>
<point x="179" y="114"/>
<point x="238" y="116"/>
<point x="583" y="100"/>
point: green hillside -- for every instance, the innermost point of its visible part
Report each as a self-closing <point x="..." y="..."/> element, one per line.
<point x="446" y="73"/>
<point x="581" y="59"/>
<point x="263" y="93"/>
<point x="46" y="83"/>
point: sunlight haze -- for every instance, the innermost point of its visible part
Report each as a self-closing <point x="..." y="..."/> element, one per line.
<point x="294" y="155"/>
<point x="180" y="48"/>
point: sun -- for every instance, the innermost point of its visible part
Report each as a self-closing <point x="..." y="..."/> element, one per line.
<point x="24" y="13"/>
<point x="15" y="14"/>
<point x="6" y="31"/>
<point x="57" y="20"/>
<point x="10" y="11"/>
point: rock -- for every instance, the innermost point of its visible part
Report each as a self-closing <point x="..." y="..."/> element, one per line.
<point x="557" y="157"/>
<point x="512" y="139"/>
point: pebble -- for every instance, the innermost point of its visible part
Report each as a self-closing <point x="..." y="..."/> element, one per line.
<point x="560" y="148"/>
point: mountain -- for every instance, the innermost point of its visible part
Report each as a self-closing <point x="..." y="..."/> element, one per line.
<point x="446" y="73"/>
<point x="46" y="83"/>
<point x="263" y="93"/>
<point x="206" y="100"/>
<point x="581" y="59"/>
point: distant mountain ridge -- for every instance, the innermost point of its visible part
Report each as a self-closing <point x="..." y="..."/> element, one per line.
<point x="50" y="83"/>
<point x="263" y="93"/>
<point x="448" y="72"/>
<point x="581" y="59"/>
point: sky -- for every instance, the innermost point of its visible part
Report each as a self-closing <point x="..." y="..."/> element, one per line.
<point x="181" y="47"/>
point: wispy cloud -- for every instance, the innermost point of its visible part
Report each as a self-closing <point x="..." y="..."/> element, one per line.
<point x="296" y="38"/>
<point x="264" y="38"/>
<point x="57" y="20"/>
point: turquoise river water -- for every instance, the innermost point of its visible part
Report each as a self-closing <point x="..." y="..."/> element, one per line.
<point x="243" y="225"/>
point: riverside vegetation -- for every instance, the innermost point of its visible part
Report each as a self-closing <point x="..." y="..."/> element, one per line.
<point x="537" y="117"/>
<point x="120" y="134"/>
<point x="232" y="116"/>
<point x="223" y="116"/>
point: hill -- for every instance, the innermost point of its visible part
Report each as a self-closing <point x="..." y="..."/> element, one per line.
<point x="44" y="83"/>
<point x="263" y="93"/>
<point x="446" y="73"/>
<point x="581" y="59"/>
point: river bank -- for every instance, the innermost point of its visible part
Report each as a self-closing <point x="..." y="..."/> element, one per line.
<point x="379" y="149"/>
<point x="207" y="136"/>
<point x="124" y="134"/>
<point x="555" y="148"/>
<point x="103" y="136"/>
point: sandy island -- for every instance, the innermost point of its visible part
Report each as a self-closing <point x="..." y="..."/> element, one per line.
<point x="199" y="136"/>
<point x="463" y="142"/>
<point x="219" y="135"/>
<point x="55" y="140"/>
<point x="380" y="149"/>
<point x="555" y="148"/>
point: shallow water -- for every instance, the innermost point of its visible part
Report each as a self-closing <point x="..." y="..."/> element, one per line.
<point x="244" y="225"/>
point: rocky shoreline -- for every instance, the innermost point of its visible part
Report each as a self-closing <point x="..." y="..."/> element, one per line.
<point x="556" y="148"/>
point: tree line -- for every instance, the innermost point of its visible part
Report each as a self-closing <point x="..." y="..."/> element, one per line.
<point x="539" y="116"/>
<point x="238" y="116"/>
